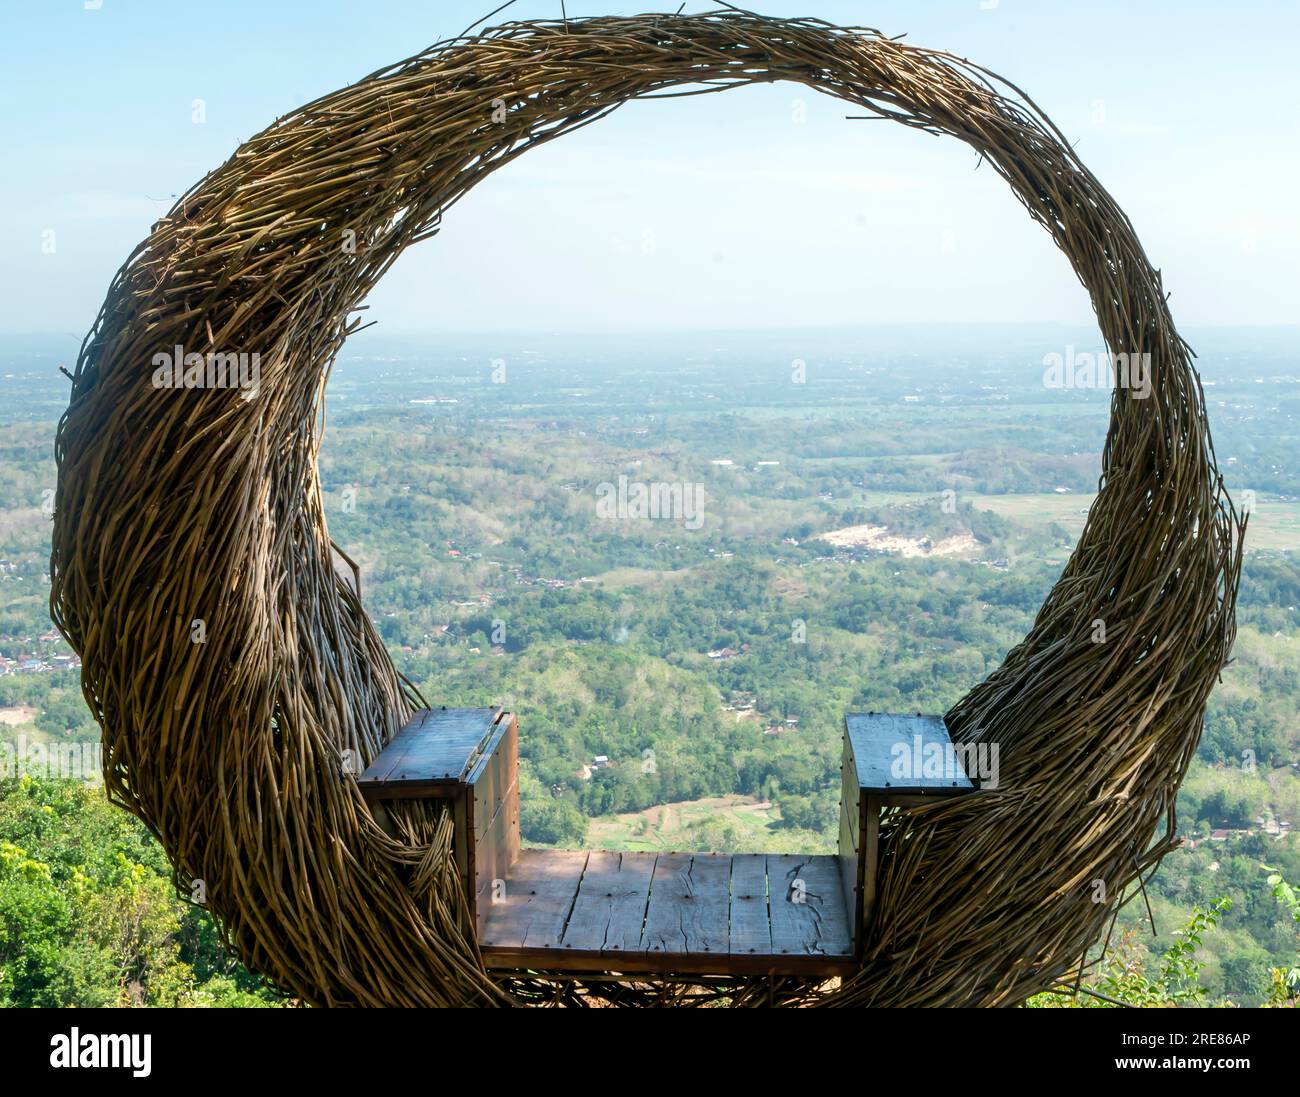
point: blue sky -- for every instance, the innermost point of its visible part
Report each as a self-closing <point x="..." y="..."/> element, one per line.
<point x="714" y="211"/>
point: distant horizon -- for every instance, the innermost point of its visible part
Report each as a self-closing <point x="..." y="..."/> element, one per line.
<point x="759" y="209"/>
<point x="846" y="326"/>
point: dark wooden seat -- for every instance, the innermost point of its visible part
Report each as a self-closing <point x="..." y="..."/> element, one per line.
<point x="470" y="758"/>
<point x="686" y="913"/>
<point x="888" y="761"/>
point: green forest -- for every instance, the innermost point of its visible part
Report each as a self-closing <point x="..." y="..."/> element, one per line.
<point x="870" y="540"/>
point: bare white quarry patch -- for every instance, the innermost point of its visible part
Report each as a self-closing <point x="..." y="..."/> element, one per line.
<point x="879" y="539"/>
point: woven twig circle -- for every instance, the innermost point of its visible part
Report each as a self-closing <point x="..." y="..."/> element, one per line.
<point x="184" y="505"/>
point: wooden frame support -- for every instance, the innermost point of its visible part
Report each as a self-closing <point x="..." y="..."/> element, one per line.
<point x="887" y="761"/>
<point x="470" y="758"/>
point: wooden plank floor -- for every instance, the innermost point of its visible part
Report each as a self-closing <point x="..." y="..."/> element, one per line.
<point x="699" y="913"/>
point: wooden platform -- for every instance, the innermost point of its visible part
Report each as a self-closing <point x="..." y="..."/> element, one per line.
<point x="700" y="913"/>
<point x="667" y="913"/>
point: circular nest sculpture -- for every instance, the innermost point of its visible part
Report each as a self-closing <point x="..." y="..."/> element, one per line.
<point x="205" y="505"/>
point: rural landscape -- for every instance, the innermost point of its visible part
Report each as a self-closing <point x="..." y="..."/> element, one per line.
<point x="681" y="559"/>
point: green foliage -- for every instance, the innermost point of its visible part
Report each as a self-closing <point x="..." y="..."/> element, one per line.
<point x="1284" y="982"/>
<point x="552" y="823"/>
<point x="88" y="913"/>
<point x="1124" y="979"/>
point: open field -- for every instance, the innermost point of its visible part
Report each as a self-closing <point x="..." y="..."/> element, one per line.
<point x="674" y="826"/>
<point x="1274" y="524"/>
<point x="1274" y="527"/>
<point x="16" y="716"/>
